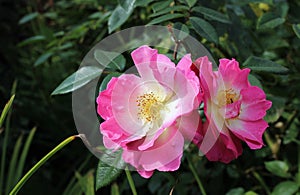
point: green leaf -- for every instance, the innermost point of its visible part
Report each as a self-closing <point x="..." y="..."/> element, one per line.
<point x="212" y="14"/>
<point x="107" y="79"/>
<point x="164" y="18"/>
<point x="264" y="65"/>
<point x="275" y="111"/>
<point x="169" y="9"/>
<point x="161" y="5"/>
<point x="43" y="58"/>
<point x="22" y="159"/>
<point x="31" y="40"/>
<point x="111" y="60"/>
<point x="183" y="31"/>
<point x="6" y="109"/>
<point x="250" y="193"/>
<point x="191" y="3"/>
<point x="236" y="191"/>
<point x="269" y="20"/>
<point x="117" y="18"/>
<point x="78" y="79"/>
<point x="51" y="15"/>
<point x="127" y="4"/>
<point x="297" y="178"/>
<point x="120" y="15"/>
<point x="13" y="165"/>
<point x="143" y="3"/>
<point x="28" y="17"/>
<point x="86" y="182"/>
<point x="254" y="81"/>
<point x="273" y="42"/>
<point x="282" y="8"/>
<point x="296" y="28"/>
<point x="279" y="168"/>
<point x="286" y="188"/>
<point x="292" y="132"/>
<point x="106" y="170"/>
<point x="205" y="29"/>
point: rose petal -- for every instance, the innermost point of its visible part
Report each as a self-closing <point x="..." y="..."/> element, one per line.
<point x="144" y="59"/>
<point x="232" y="76"/>
<point x="226" y="149"/>
<point x="254" y="105"/>
<point x="167" y="148"/>
<point x="124" y="105"/>
<point x="104" y="108"/>
<point x="249" y="131"/>
<point x="231" y="111"/>
<point x="145" y="174"/>
<point x="188" y="125"/>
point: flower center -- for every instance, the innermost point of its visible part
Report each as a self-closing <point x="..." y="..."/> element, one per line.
<point x="149" y="106"/>
<point x="227" y="96"/>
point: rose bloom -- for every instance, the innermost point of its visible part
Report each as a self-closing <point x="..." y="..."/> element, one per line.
<point x="151" y="115"/>
<point x="233" y="108"/>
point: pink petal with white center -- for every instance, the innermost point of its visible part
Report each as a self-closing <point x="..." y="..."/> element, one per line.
<point x="163" y="155"/>
<point x="113" y="134"/>
<point x="184" y="102"/>
<point x="104" y="108"/>
<point x="185" y="65"/>
<point x="144" y="59"/>
<point x="164" y="71"/>
<point x="109" y="144"/>
<point x="186" y="92"/>
<point x="232" y="110"/>
<point x="252" y="93"/>
<point x="254" y="105"/>
<point x="151" y="137"/>
<point x="249" y="131"/>
<point x="187" y="125"/>
<point x="124" y="105"/>
<point x="253" y="112"/>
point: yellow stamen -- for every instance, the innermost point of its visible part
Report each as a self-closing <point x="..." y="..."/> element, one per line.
<point x="227" y="96"/>
<point x="149" y="106"/>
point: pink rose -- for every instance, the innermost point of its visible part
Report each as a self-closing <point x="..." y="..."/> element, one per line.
<point x="149" y="116"/>
<point x="234" y="110"/>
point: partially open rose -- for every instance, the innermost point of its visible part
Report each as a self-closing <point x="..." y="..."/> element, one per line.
<point x="234" y="110"/>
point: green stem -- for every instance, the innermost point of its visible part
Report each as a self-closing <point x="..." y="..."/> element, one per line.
<point x="130" y="181"/>
<point x="200" y="185"/>
<point x="39" y="164"/>
<point x="6" y="110"/>
<point x="262" y="182"/>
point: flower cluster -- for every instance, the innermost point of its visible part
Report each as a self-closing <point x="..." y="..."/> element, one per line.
<point x="152" y="115"/>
